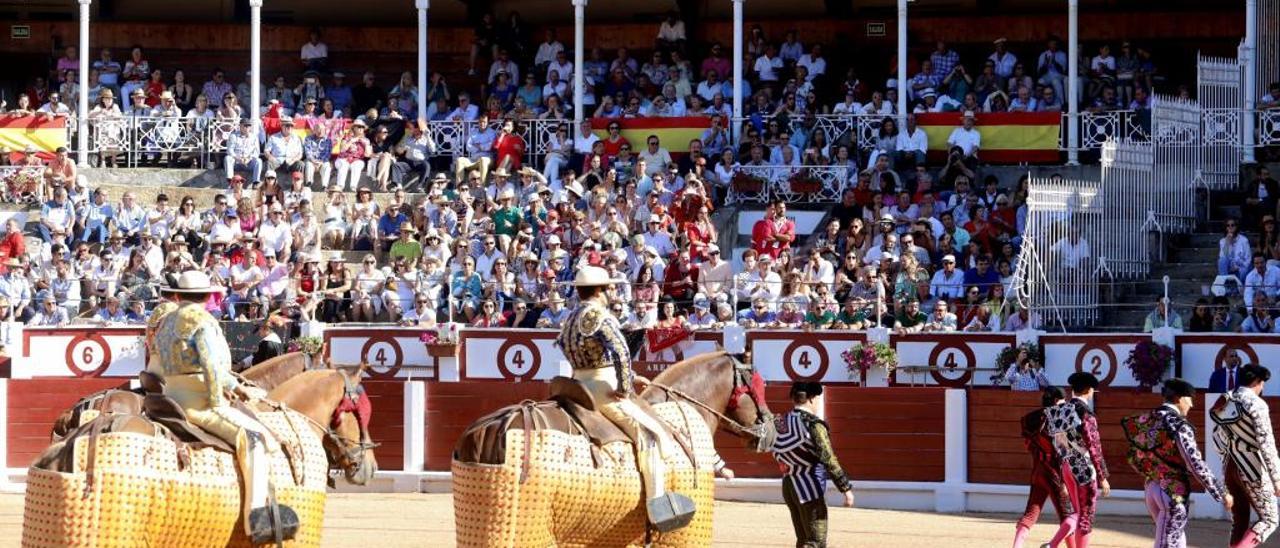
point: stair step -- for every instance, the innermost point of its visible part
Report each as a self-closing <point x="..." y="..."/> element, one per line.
<point x="1185" y="270"/>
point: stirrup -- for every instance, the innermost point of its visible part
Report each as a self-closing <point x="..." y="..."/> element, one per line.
<point x="264" y="524"/>
<point x="670" y="511"/>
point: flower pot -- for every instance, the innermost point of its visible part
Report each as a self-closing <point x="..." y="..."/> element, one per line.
<point x="442" y="350"/>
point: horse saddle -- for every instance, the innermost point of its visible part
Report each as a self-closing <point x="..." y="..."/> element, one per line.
<point x="578" y="402"/>
<point x="166" y="412"/>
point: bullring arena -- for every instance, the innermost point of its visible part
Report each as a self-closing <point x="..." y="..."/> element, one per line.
<point x="936" y="210"/>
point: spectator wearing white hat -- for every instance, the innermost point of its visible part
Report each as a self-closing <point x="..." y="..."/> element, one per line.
<point x="948" y="281"/>
<point x="764" y="283"/>
<point x="243" y="151"/>
<point x="967" y="138"/>
<point x="356" y="150"/>
<point x="284" y="152"/>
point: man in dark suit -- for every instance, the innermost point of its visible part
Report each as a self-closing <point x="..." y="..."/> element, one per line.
<point x="1223" y="379"/>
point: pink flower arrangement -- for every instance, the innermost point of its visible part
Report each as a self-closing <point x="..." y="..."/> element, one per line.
<point x="860" y="358"/>
<point x="1148" y="362"/>
<point x="427" y="337"/>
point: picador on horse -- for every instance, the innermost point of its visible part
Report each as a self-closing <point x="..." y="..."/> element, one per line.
<point x="592" y="340"/>
<point x="192" y="357"/>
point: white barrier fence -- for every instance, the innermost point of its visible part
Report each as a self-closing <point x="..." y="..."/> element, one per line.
<point x="1066" y="247"/>
<point x="521" y="355"/>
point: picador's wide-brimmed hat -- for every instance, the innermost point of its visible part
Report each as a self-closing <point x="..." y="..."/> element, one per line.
<point x="192" y="282"/>
<point x="592" y="276"/>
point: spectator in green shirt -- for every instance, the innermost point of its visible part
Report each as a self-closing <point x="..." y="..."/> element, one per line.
<point x="406" y="246"/>
<point x="911" y="319"/>
<point x="819" y="316"/>
<point x="506" y="219"/>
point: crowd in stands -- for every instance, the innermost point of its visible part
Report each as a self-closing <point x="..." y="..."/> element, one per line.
<point x="487" y="239"/>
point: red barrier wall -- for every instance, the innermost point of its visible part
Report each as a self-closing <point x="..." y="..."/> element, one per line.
<point x="996" y="453"/>
<point x="889" y="434"/>
<point x="33" y="406"/>
<point x="452" y="407"/>
<point x="387" y="426"/>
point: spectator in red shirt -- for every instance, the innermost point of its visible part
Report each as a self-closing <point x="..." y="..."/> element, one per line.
<point x="980" y="229"/>
<point x="773" y="234"/>
<point x="614" y="142"/>
<point x="12" y="246"/>
<point x="509" y="147"/>
<point x="681" y="279"/>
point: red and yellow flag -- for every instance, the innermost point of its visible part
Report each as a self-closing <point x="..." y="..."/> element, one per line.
<point x="44" y="133"/>
<point x="673" y="133"/>
<point x="1007" y="137"/>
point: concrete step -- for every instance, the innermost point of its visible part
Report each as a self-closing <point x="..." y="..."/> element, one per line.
<point x="1183" y="290"/>
<point x="1185" y="270"/>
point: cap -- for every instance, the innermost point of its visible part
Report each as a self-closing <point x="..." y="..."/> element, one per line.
<point x="338" y="74"/>
<point x="886" y="218"/>
<point x="286" y="120"/>
<point x="968" y="114"/>
<point x="1000" y="40"/>
<point x="948" y="258"/>
<point x="713" y="249"/>
<point x="553" y="240"/>
<point x="270" y="174"/>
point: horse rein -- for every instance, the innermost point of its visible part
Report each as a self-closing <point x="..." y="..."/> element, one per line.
<point x="762" y="416"/>
<point x="352" y="451"/>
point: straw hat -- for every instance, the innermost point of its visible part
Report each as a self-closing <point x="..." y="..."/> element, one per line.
<point x="592" y="276"/>
<point x="193" y="282"/>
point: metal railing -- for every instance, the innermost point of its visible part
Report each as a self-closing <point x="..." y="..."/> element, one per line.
<point x="795" y="184"/>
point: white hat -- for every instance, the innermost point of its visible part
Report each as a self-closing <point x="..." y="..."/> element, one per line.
<point x="948" y="258"/>
<point x="928" y="92"/>
<point x="286" y="120"/>
<point x="270" y="174"/>
<point x="968" y="114"/>
<point x="193" y="281"/>
<point x="590" y="276"/>
<point x="886" y="218"/>
<point x="553" y="239"/>
<point x="576" y="188"/>
<point x="712" y="248"/>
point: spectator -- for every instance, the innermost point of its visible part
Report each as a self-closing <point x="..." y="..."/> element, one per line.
<point x="671" y="33"/>
<point x="1162" y="316"/>
<point x="339" y="94"/>
<point x="315" y="53"/>
<point x="1051" y="68"/>
<point x="1002" y="60"/>
<point x="217" y="87"/>
<point x="910" y="319"/>
<point x="1260" y="196"/>
<point x="1233" y="251"/>
<point x="284" y="152"/>
<point x="1260" y="320"/>
<point x="967" y="138"/>
<point x="1024" y="318"/>
<point x="1261" y="279"/>
<point x="941" y="321"/>
<point x="1025" y="374"/>
<point x="367" y="95"/>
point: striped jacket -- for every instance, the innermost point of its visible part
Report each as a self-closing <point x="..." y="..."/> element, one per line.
<point x="1243" y="433"/>
<point x="803" y="449"/>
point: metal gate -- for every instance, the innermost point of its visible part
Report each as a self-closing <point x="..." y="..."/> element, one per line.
<point x="1177" y="164"/>
<point x="1221" y="101"/>
<point x="1061" y="259"/>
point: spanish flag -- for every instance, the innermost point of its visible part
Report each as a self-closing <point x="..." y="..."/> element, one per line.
<point x="673" y="133"/>
<point x="1007" y="137"/>
<point x="45" y="134"/>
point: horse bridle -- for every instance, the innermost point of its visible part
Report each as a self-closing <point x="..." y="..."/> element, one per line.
<point x="743" y="385"/>
<point x="351" y="451"/>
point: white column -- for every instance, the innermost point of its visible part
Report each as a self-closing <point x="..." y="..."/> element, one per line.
<point x="255" y="62"/>
<point x="1073" y="82"/>
<point x="579" y="22"/>
<point x="82" y="104"/>
<point x="415" y="425"/>
<point x="737" y="69"/>
<point x="902" y="63"/>
<point x="423" y="6"/>
<point x="950" y="497"/>
<point x="1250" y="60"/>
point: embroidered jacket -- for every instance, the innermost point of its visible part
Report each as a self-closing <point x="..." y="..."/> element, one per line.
<point x="1243" y="434"/>
<point x="1162" y="449"/>
<point x="189" y="341"/>
<point x="803" y="449"/>
<point x="592" y="339"/>
<point x="1074" y="429"/>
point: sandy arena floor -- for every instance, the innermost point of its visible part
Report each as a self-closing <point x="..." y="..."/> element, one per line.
<point x="426" y="520"/>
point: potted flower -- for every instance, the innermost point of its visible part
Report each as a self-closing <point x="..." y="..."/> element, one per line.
<point x="1009" y="358"/>
<point x="805" y="182"/>
<point x="861" y="358"/>
<point x="443" y="342"/>
<point x="1148" y="362"/>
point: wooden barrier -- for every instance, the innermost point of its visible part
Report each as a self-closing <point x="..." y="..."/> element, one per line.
<point x="452" y="407"/>
<point x="387" y="425"/>
<point x="888" y="434"/>
<point x="34" y="404"/>
<point x="996" y="451"/>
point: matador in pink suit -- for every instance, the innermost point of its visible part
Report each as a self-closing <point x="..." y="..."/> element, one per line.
<point x="1074" y="428"/>
<point x="1046" y="474"/>
<point x="1162" y="449"/>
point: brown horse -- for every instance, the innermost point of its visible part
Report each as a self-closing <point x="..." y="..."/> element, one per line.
<point x="266" y="375"/>
<point x="549" y="496"/>
<point x="330" y="398"/>
<point x="334" y="426"/>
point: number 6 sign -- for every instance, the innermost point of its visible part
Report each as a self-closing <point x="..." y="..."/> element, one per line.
<point x="88" y="355"/>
